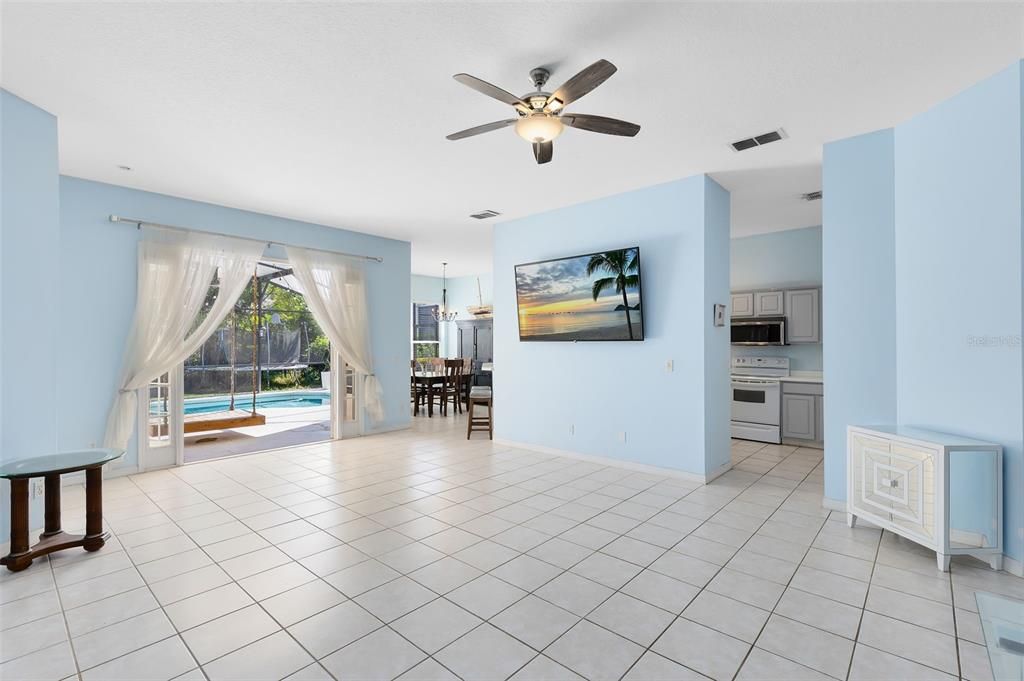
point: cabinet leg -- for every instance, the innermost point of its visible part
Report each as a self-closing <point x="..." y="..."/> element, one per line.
<point x="942" y="560"/>
<point x="995" y="561"/>
<point x="851" y="520"/>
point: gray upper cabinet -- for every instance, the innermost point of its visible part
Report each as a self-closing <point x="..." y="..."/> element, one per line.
<point x="803" y="315"/>
<point x="742" y="305"/>
<point x="769" y="304"/>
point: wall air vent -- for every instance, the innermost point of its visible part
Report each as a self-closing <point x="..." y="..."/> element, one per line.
<point x="811" y="196"/>
<point x="485" y="214"/>
<point x="759" y="140"/>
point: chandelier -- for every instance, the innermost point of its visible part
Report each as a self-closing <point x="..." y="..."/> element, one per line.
<point x="442" y="314"/>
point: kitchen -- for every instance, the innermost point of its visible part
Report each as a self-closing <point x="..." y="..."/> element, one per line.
<point x="775" y="309"/>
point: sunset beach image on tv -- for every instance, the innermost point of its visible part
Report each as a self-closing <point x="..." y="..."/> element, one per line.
<point x="593" y="297"/>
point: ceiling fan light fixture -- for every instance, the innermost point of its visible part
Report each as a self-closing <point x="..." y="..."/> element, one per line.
<point x="539" y="127"/>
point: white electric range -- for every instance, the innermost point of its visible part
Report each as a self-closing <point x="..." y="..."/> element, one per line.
<point x="756" y="398"/>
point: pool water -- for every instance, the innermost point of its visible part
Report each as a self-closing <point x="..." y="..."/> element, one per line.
<point x="282" y="400"/>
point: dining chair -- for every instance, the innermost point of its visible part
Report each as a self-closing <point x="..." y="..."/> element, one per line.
<point x="416" y="392"/>
<point x="451" y="386"/>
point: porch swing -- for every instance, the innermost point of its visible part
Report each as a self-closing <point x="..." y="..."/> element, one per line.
<point x="234" y="418"/>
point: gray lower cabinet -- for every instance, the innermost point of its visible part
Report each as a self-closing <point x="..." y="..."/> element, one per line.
<point x="803" y="412"/>
<point x="798" y="417"/>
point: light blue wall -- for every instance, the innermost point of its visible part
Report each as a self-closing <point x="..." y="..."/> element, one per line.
<point x="29" y="225"/>
<point x="958" y="275"/>
<point x="604" y="388"/>
<point x="779" y="260"/>
<point x="859" y="293"/>
<point x="426" y="289"/>
<point x="98" y="279"/>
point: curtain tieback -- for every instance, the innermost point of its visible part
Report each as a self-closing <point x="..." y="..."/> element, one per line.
<point x="125" y="390"/>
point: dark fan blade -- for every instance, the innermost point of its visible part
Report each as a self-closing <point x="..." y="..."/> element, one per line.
<point x="486" y="127"/>
<point x="607" y="126"/>
<point x="580" y="84"/>
<point x="542" y="151"/>
<point x="494" y="91"/>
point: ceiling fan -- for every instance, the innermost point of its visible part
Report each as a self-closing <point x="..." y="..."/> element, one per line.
<point x="541" y="115"/>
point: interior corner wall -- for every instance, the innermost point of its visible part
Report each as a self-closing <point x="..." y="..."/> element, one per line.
<point x="28" y="287"/>
<point x="858" y="292"/>
<point x="958" y="276"/>
<point x="580" y="397"/>
<point x="923" y="262"/>
<point x="717" y="388"/>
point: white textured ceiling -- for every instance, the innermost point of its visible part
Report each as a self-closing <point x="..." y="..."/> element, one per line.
<point x="336" y="113"/>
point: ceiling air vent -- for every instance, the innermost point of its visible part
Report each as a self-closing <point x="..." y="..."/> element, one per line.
<point x="811" y="196"/>
<point x="759" y="140"/>
<point x="484" y="214"/>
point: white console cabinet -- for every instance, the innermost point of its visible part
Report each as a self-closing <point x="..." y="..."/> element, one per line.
<point x="942" y="491"/>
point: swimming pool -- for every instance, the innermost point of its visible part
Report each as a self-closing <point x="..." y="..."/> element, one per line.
<point x="275" y="400"/>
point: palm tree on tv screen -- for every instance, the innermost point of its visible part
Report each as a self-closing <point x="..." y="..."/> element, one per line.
<point x="622" y="265"/>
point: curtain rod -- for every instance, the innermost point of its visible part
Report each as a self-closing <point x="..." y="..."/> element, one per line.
<point x="138" y="224"/>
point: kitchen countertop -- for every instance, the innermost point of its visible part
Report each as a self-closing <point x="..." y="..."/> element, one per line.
<point x="803" y="377"/>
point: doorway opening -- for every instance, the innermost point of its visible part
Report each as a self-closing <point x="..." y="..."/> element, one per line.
<point x="262" y="380"/>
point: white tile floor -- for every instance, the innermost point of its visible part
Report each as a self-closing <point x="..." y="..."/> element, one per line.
<point x="419" y="555"/>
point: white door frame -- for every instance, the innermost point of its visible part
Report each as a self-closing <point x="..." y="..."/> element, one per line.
<point x="340" y="428"/>
<point x="173" y="454"/>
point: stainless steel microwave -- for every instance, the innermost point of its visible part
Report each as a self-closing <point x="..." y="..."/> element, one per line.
<point x="759" y="331"/>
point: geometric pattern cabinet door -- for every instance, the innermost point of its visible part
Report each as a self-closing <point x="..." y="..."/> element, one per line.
<point x="898" y="478"/>
<point x="913" y="485"/>
<point x="870" y="492"/>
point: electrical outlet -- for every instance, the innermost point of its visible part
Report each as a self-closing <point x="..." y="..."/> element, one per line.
<point x="37" y="488"/>
<point x="622" y="437"/>
<point x="572" y="429"/>
<point x="669" y="367"/>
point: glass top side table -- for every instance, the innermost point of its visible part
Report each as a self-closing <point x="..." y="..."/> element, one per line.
<point x="53" y="538"/>
<point x="1002" y="619"/>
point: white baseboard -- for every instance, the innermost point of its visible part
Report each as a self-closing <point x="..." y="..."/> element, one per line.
<point x="833" y="504"/>
<point x="388" y="429"/>
<point x="617" y="463"/>
<point x="1014" y="567"/>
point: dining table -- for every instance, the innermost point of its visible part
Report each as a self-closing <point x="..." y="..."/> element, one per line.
<point x="430" y="379"/>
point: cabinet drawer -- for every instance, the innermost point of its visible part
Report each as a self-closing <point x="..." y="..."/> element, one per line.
<point x="802" y="388"/>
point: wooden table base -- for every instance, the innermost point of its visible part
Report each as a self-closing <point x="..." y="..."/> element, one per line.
<point x="53" y="537"/>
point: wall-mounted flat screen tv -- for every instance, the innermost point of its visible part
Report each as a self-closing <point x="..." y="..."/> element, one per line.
<point x="592" y="297"/>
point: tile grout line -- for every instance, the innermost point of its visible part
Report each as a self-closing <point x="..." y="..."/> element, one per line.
<point x="457" y="469"/>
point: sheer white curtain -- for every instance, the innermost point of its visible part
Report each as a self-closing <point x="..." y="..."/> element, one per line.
<point x="335" y="291"/>
<point x="176" y="270"/>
